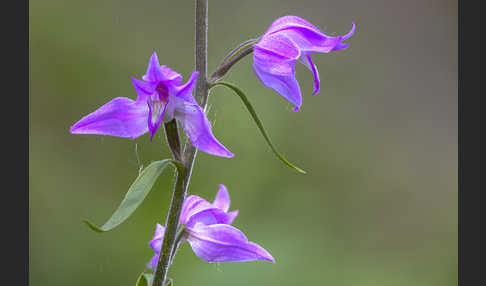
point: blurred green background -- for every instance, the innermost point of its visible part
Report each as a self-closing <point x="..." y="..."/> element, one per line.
<point x="378" y="205"/>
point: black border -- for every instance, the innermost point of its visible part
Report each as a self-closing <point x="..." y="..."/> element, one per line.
<point x="471" y="113"/>
<point x="15" y="128"/>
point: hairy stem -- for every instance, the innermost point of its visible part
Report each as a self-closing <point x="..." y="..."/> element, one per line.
<point x="201" y="51"/>
<point x="182" y="181"/>
<point x="202" y="86"/>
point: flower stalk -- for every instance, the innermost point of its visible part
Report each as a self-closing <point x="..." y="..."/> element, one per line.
<point x="231" y="59"/>
<point x="183" y="178"/>
<point x="173" y="139"/>
<point x="239" y="48"/>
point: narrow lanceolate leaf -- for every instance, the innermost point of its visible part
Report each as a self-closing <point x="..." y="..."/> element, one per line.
<point x="145" y="279"/>
<point x="136" y="193"/>
<point x="258" y="123"/>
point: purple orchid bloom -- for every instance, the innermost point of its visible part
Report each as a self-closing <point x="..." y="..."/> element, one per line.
<point x="161" y="97"/>
<point x="207" y="228"/>
<point x="290" y="39"/>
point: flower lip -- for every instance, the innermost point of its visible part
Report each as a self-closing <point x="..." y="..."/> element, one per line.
<point x="157" y="104"/>
<point x="156" y="113"/>
<point x="162" y="92"/>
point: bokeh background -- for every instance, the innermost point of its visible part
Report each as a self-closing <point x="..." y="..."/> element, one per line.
<point x="378" y="205"/>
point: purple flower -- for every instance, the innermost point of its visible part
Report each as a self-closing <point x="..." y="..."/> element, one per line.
<point x="161" y="97"/>
<point x="207" y="228"/>
<point x="290" y="39"/>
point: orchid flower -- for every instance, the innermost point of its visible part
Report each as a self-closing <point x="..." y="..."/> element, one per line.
<point x="161" y="97"/>
<point x="290" y="39"/>
<point x="207" y="228"/>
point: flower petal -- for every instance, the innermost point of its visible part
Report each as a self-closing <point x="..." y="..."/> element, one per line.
<point x="307" y="61"/>
<point x="307" y="41"/>
<point x="341" y="45"/>
<point x="273" y="62"/>
<point x="231" y="216"/>
<point x="155" y="117"/>
<point x="210" y="216"/>
<point x="156" y="242"/>
<point x="224" y="243"/>
<point x="153" y="262"/>
<point x="222" y="200"/>
<point x="305" y="36"/>
<point x="198" y="129"/>
<point x="185" y="91"/>
<point x="154" y="73"/>
<point x="193" y="204"/>
<point x="288" y="21"/>
<point x="279" y="46"/>
<point x="170" y="75"/>
<point x="285" y="84"/>
<point x="143" y="89"/>
<point x="121" y="117"/>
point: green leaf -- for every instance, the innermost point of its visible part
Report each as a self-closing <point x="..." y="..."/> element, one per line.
<point x="258" y="123"/>
<point x="145" y="279"/>
<point x="137" y="193"/>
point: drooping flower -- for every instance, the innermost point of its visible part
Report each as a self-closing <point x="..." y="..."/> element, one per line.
<point x="290" y="39"/>
<point x="207" y="228"/>
<point x="161" y="97"/>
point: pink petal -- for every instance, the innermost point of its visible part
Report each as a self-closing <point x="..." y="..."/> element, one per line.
<point x="285" y="84"/>
<point x="185" y="91"/>
<point x="198" y="129"/>
<point x="143" y="89"/>
<point x="222" y="200"/>
<point x="154" y="73"/>
<point x="171" y="75"/>
<point x="153" y="262"/>
<point x="210" y="216"/>
<point x="121" y="117"/>
<point x="192" y="205"/>
<point x="285" y="22"/>
<point x="307" y="61"/>
<point x="224" y="243"/>
<point x="154" y="123"/>
<point x="156" y="242"/>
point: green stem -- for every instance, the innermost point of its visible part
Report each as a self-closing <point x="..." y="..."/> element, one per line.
<point x="171" y="228"/>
